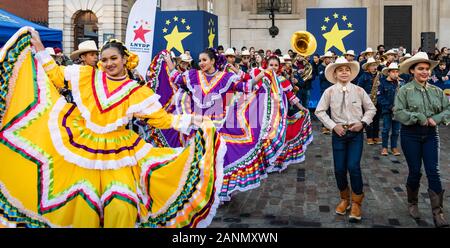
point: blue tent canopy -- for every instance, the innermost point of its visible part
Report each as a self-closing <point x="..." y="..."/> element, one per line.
<point x="9" y="24"/>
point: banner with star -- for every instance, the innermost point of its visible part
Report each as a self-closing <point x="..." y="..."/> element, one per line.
<point x="179" y="31"/>
<point x="140" y="32"/>
<point x="338" y="29"/>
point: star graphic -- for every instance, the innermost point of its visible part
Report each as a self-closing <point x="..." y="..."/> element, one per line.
<point x="175" y="18"/>
<point x="183" y="21"/>
<point x="350" y="25"/>
<point x="324" y="28"/>
<point x="174" y="39"/>
<point x="165" y="30"/>
<point x="211" y="38"/>
<point x="344" y="18"/>
<point x="168" y="22"/>
<point x="327" y="19"/>
<point x="140" y="33"/>
<point x="188" y="27"/>
<point x="336" y="16"/>
<point x="335" y="37"/>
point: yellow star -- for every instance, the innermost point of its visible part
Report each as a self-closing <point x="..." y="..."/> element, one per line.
<point x="324" y="28"/>
<point x="350" y="25"/>
<point x="183" y="21"/>
<point x="164" y="30"/>
<point x="344" y="18"/>
<point x="175" y="18"/>
<point x="174" y="39"/>
<point x="167" y="22"/>
<point x="188" y="27"/>
<point x="327" y="19"/>
<point x="211" y="38"/>
<point x="335" y="37"/>
<point x="336" y="16"/>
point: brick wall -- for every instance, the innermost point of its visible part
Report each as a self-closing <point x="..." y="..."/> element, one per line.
<point x="35" y="10"/>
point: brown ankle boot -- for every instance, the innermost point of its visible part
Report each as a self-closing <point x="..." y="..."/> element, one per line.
<point x="413" y="199"/>
<point x="395" y="152"/>
<point x="436" y="201"/>
<point x="384" y="152"/>
<point x="355" y="214"/>
<point x="344" y="204"/>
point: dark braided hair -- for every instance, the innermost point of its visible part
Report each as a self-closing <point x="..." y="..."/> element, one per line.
<point x="212" y="54"/>
<point x="123" y="50"/>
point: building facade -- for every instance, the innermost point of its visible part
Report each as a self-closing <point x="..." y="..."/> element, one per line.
<point x="35" y="11"/>
<point x="246" y="22"/>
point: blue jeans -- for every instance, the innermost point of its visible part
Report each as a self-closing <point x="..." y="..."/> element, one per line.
<point x="421" y="144"/>
<point x="373" y="130"/>
<point x="389" y="123"/>
<point x="347" y="151"/>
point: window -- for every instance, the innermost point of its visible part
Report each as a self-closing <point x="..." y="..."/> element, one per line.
<point x="86" y="27"/>
<point x="281" y="6"/>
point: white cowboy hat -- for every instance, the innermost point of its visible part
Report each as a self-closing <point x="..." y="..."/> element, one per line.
<point x="368" y="50"/>
<point x="282" y="61"/>
<point x="84" y="47"/>
<point x="407" y="56"/>
<point x="286" y="57"/>
<point x="328" y="54"/>
<point x="392" y="66"/>
<point x="420" y="57"/>
<point x="229" y="52"/>
<point x="245" y="53"/>
<point x="390" y="52"/>
<point x="50" y="51"/>
<point x="350" y="52"/>
<point x="370" y="61"/>
<point x="341" y="61"/>
<point x="185" y="58"/>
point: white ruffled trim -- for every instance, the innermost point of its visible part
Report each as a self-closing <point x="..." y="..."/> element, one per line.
<point x="43" y="57"/>
<point x="214" y="97"/>
<point x="72" y="74"/>
<point x="83" y="162"/>
<point x="12" y="41"/>
<point x="218" y="185"/>
<point x="182" y="123"/>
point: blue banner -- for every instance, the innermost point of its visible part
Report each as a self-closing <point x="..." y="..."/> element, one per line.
<point x="338" y="29"/>
<point x="179" y="31"/>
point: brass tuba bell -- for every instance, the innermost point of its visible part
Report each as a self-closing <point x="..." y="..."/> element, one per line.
<point x="304" y="43"/>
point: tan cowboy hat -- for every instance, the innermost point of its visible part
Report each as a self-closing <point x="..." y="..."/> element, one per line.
<point x="287" y="58"/>
<point x="84" y="47"/>
<point x="420" y="57"/>
<point x="282" y="61"/>
<point x="350" y="52"/>
<point x="230" y="52"/>
<point x="245" y="53"/>
<point x="327" y="55"/>
<point x="392" y="66"/>
<point x="370" y="61"/>
<point x="341" y="61"/>
<point x="390" y="52"/>
<point x="368" y="50"/>
<point x="185" y="58"/>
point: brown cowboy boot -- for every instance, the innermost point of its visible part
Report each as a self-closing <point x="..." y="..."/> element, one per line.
<point x="384" y="152"/>
<point x="413" y="199"/>
<point x="344" y="204"/>
<point x="437" y="208"/>
<point x="355" y="214"/>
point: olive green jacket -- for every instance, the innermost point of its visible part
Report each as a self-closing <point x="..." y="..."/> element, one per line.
<point x="414" y="104"/>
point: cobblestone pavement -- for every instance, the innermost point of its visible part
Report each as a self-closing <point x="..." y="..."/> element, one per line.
<point x="305" y="195"/>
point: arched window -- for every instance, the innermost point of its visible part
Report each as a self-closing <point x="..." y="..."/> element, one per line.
<point x="85" y="27"/>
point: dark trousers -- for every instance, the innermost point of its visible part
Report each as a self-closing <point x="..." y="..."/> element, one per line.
<point x="388" y="125"/>
<point x="373" y="130"/>
<point x="421" y="144"/>
<point x="347" y="152"/>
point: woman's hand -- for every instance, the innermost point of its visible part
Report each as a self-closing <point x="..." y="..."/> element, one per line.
<point x="36" y="40"/>
<point x="169" y="62"/>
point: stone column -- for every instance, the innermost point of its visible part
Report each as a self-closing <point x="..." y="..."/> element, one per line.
<point x="221" y="9"/>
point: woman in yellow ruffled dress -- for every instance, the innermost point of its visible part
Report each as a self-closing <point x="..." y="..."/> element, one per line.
<point x="76" y="165"/>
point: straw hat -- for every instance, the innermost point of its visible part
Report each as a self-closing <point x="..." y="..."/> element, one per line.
<point x="350" y="52"/>
<point x="390" y="52"/>
<point x="84" y="47"/>
<point x="369" y="62"/>
<point x="368" y="50"/>
<point x="229" y="52"/>
<point x="245" y="53"/>
<point x="185" y="58"/>
<point x="328" y="54"/>
<point x="407" y="56"/>
<point x="392" y="66"/>
<point x="420" y="57"/>
<point x="341" y="61"/>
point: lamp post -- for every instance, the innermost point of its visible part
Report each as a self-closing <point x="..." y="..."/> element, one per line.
<point x="273" y="31"/>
